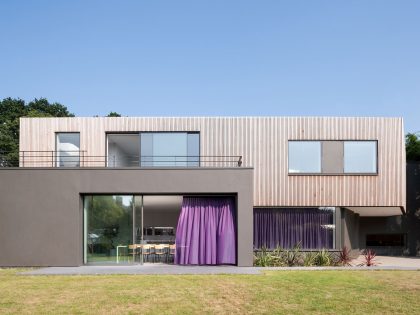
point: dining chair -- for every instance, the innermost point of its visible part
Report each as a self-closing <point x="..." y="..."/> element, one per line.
<point x="172" y="250"/>
<point x="146" y="250"/>
<point x="160" y="251"/>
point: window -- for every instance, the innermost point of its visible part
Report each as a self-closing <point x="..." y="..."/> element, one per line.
<point x="332" y="157"/>
<point x="304" y="157"/>
<point x="108" y="228"/>
<point x="360" y="157"/>
<point x="385" y="240"/>
<point x="153" y="149"/>
<point x="169" y="149"/>
<point x="68" y="149"/>
<point x="123" y="150"/>
<point x="312" y="228"/>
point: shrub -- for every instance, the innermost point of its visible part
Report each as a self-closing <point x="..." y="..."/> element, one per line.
<point x="262" y="258"/>
<point x="369" y="258"/>
<point x="266" y="258"/>
<point x="293" y="257"/>
<point x="344" y="258"/>
<point x="279" y="257"/>
<point x="323" y="258"/>
<point x="309" y="259"/>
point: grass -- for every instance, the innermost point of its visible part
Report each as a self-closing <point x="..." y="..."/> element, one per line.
<point x="278" y="292"/>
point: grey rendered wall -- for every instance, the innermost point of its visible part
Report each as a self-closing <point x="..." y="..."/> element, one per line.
<point x="350" y="230"/>
<point x="408" y="224"/>
<point x="41" y="221"/>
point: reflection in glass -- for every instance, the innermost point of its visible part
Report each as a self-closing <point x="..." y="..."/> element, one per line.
<point x="68" y="149"/>
<point x="109" y="228"/>
<point x="169" y="149"/>
<point x="304" y="157"/>
<point x="360" y="157"/>
<point x="123" y="150"/>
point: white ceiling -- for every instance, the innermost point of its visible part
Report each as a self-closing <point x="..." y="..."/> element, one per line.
<point x="376" y="211"/>
<point x="162" y="203"/>
<point x="129" y="144"/>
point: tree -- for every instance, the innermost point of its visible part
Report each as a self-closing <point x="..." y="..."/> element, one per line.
<point x="412" y="146"/>
<point x="113" y="114"/>
<point x="10" y="111"/>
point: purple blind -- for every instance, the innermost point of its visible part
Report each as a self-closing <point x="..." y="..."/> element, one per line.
<point x="285" y="227"/>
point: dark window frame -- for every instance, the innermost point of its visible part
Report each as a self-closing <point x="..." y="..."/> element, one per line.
<point x="334" y="174"/>
<point x="139" y="134"/>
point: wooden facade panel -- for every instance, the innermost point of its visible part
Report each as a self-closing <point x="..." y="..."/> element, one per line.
<point x="263" y="143"/>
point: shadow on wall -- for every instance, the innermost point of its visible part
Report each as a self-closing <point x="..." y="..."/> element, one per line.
<point x="411" y="222"/>
<point x="408" y="224"/>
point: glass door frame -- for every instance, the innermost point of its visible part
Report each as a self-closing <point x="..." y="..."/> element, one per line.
<point x="137" y="203"/>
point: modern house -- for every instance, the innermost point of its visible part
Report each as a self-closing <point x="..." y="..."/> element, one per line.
<point x="198" y="190"/>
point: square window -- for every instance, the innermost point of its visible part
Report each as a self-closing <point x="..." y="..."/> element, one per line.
<point x="360" y="157"/>
<point x="304" y="157"/>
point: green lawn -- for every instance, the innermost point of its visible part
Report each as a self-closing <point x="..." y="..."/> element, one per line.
<point x="288" y="292"/>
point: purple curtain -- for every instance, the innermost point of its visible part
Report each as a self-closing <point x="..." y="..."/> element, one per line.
<point x="206" y="232"/>
<point x="313" y="227"/>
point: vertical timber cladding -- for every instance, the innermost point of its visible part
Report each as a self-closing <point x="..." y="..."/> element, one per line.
<point x="263" y="143"/>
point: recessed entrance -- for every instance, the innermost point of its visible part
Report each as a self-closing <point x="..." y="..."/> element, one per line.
<point x="165" y="229"/>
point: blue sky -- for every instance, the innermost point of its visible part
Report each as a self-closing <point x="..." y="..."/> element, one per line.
<point x="176" y="58"/>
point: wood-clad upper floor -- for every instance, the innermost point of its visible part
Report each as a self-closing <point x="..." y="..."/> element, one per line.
<point x="263" y="144"/>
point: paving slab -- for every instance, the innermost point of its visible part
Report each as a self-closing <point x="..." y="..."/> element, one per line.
<point x="384" y="263"/>
<point x="143" y="270"/>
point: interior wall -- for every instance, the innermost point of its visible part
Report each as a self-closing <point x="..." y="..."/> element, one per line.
<point x="115" y="156"/>
<point x="381" y="225"/>
<point x="161" y="210"/>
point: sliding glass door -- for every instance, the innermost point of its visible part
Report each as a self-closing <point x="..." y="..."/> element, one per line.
<point x="153" y="149"/>
<point x="127" y="229"/>
<point x="137" y="229"/>
<point x="108" y="228"/>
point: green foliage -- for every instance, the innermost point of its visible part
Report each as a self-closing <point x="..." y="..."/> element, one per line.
<point x="113" y="114"/>
<point x="412" y="146"/>
<point x="110" y="219"/>
<point x="309" y="259"/>
<point x="10" y="112"/>
<point x="323" y="258"/>
<point x="263" y="258"/>
<point x="293" y="257"/>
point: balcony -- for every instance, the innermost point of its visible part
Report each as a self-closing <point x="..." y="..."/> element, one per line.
<point x="81" y="159"/>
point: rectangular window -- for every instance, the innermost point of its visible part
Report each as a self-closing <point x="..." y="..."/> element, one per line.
<point x="153" y="149"/>
<point x="123" y="150"/>
<point x="385" y="240"/>
<point x="304" y="157"/>
<point x="312" y="228"/>
<point x="360" y="157"/>
<point x="68" y="149"/>
<point x="333" y="157"/>
<point x="169" y="149"/>
<point x="108" y="228"/>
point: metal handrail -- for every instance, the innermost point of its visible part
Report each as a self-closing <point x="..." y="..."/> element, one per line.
<point x="79" y="158"/>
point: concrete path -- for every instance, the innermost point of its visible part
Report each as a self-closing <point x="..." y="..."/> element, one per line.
<point x="385" y="263"/>
<point x="391" y="261"/>
<point x="146" y="269"/>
